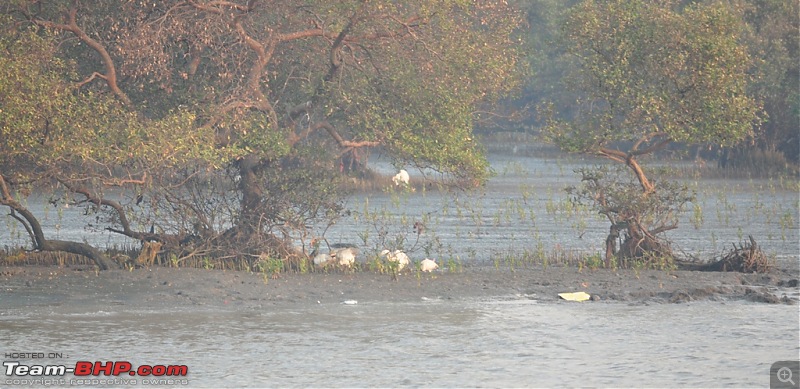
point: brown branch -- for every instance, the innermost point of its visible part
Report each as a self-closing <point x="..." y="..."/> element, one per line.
<point x="117" y="182"/>
<point x="26" y="225"/>
<point x="238" y="7"/>
<point x="408" y="25"/>
<point x="652" y="148"/>
<point x="263" y="53"/>
<point x="197" y="213"/>
<point x="341" y="141"/>
<point x="629" y="160"/>
<point x="101" y="202"/>
<point x="661" y="229"/>
<point x="42" y="244"/>
<point x="35" y="230"/>
<point x="205" y="7"/>
<point x="265" y="50"/>
<point x="110" y="75"/>
<point x="336" y="63"/>
<point x="120" y="211"/>
<point x="612" y="154"/>
<point x="314" y="32"/>
<point x="90" y="78"/>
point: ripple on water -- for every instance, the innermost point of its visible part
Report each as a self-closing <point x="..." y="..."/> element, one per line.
<point x="504" y="342"/>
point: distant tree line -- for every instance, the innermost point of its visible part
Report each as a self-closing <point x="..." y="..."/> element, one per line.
<point x="767" y="33"/>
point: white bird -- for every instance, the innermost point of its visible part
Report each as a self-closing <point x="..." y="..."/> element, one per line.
<point x="322" y="259"/>
<point x="319" y="259"/>
<point x="428" y="265"/>
<point x="401" y="177"/>
<point x="396" y="256"/>
<point x="346" y="256"/>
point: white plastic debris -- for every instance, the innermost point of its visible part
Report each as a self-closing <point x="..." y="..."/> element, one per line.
<point x="575" y="296"/>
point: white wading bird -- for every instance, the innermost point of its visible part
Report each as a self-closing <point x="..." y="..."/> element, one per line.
<point x="396" y="256"/>
<point x="428" y="265"/>
<point x="401" y="178"/>
<point x="319" y="259"/>
<point x="345" y="255"/>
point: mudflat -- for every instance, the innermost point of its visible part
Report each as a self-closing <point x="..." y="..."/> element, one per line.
<point x="162" y="287"/>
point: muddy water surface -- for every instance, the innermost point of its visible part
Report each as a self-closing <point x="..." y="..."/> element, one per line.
<point x="515" y="342"/>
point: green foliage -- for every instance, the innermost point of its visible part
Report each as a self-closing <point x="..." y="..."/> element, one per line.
<point x="233" y="118"/>
<point x="33" y="95"/>
<point x="249" y="133"/>
<point x="421" y="105"/>
<point x="46" y="120"/>
<point x="612" y="192"/>
<point x="772" y="42"/>
<point x="593" y="262"/>
<point x="547" y="55"/>
<point x="650" y="68"/>
<point x="650" y="73"/>
<point x="269" y="267"/>
<point x="615" y="194"/>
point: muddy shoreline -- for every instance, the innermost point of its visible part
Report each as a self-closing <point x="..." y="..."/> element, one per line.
<point x="161" y="287"/>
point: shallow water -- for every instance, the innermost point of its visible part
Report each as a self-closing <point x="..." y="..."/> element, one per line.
<point x="515" y="342"/>
<point x="525" y="208"/>
<point x="522" y="208"/>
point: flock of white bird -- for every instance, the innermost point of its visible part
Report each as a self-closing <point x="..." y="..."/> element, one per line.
<point x="345" y="255"/>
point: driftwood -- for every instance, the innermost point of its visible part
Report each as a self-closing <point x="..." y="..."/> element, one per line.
<point x="746" y="258"/>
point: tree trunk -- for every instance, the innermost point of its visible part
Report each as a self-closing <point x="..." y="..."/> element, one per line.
<point x="251" y="210"/>
<point x="88" y="251"/>
<point x="37" y="235"/>
<point x="611" y="244"/>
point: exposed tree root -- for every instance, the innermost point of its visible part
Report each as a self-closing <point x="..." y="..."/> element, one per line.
<point x="747" y="258"/>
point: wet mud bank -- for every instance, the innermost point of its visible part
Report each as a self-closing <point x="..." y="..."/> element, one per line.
<point x="161" y="287"/>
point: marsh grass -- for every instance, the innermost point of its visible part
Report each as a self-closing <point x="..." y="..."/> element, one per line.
<point x="518" y="143"/>
<point x="371" y="181"/>
<point x="579" y="259"/>
<point x="784" y="175"/>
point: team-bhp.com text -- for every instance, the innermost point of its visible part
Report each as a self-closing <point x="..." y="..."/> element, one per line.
<point x="88" y="369"/>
